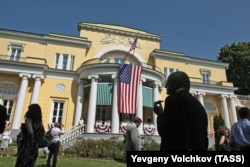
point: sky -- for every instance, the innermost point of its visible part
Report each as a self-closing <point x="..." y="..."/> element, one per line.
<point x="196" y="28"/>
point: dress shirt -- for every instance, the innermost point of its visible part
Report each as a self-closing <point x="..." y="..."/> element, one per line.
<point x="56" y="132"/>
<point x="240" y="133"/>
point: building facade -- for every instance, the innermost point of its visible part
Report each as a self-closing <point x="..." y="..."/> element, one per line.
<point x="76" y="76"/>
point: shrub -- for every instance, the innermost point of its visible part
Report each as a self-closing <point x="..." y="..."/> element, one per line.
<point x="105" y="148"/>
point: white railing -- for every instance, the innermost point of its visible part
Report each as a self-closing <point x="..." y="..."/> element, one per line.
<point x="72" y="133"/>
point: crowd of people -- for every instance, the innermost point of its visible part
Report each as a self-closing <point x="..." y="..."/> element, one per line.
<point x="182" y="125"/>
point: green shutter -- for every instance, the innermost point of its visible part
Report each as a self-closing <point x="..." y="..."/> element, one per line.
<point x="147" y="96"/>
<point x="104" y="94"/>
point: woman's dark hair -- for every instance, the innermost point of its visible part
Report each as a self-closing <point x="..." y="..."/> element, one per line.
<point x="34" y="112"/>
<point x="221" y="130"/>
<point x="244" y="112"/>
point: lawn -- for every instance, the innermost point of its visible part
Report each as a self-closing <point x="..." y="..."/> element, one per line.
<point x="62" y="161"/>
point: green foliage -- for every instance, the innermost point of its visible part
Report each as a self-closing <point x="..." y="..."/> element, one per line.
<point x="218" y="122"/>
<point x="238" y="57"/>
<point x="105" y="149"/>
<point x="150" y="145"/>
<point x="62" y="161"/>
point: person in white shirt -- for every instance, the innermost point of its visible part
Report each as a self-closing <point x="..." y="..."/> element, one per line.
<point x="81" y="124"/>
<point x="56" y="131"/>
<point x="5" y="139"/>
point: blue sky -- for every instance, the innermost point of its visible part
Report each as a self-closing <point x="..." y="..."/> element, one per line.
<point x="197" y="28"/>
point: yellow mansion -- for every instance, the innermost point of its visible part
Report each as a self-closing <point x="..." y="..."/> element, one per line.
<point x="75" y="77"/>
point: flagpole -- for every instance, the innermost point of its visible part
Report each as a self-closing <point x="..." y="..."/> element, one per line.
<point x="132" y="48"/>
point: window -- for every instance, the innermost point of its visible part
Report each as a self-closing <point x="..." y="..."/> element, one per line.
<point x="210" y="106"/>
<point x="8" y="104"/>
<point x="100" y="112"/>
<point x="64" y="61"/>
<point x="15" y="51"/>
<point x="168" y="71"/>
<point x="8" y="90"/>
<point x="205" y="76"/>
<point x="58" y="110"/>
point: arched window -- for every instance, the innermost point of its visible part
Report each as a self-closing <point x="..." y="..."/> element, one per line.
<point x="8" y="90"/>
<point x="210" y="106"/>
<point x="117" y="57"/>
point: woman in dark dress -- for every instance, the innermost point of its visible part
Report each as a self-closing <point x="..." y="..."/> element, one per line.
<point x="28" y="147"/>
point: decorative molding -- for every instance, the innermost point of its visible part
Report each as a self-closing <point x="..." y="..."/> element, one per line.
<point x="25" y="75"/>
<point x="111" y="38"/>
<point x="201" y="93"/>
<point x="38" y="76"/>
<point x="96" y="77"/>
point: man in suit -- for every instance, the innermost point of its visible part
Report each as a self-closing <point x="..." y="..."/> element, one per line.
<point x="132" y="137"/>
<point x="183" y="123"/>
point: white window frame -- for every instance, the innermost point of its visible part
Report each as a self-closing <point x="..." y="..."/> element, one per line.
<point x="57" y="116"/>
<point x="15" y="51"/>
<point x="206" y="75"/>
<point x="64" y="61"/>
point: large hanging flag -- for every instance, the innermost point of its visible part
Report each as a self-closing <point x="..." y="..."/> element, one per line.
<point x="129" y="80"/>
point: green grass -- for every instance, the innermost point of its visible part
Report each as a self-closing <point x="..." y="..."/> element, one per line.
<point x="62" y="161"/>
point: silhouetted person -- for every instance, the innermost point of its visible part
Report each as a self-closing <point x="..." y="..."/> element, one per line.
<point x="3" y="118"/>
<point x="183" y="123"/>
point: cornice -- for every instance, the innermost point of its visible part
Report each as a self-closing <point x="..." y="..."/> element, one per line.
<point x="180" y="57"/>
<point x="50" y="37"/>
<point x="98" y="27"/>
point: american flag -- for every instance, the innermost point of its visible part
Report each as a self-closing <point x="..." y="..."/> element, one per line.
<point x="132" y="48"/>
<point x="129" y="79"/>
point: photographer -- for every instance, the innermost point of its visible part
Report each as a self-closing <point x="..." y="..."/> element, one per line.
<point x="56" y="131"/>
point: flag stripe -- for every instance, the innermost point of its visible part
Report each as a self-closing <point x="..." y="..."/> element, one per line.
<point x="129" y="85"/>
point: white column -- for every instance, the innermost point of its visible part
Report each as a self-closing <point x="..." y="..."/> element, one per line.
<point x="36" y="89"/>
<point x="115" y="114"/>
<point x="92" y="103"/>
<point x="225" y="110"/>
<point x="193" y="92"/>
<point x="156" y="98"/>
<point x="20" y="101"/>
<point x="233" y="110"/>
<point x="60" y="62"/>
<point x="79" y="101"/>
<point x="201" y="100"/>
<point x="139" y="112"/>
<point x="200" y="97"/>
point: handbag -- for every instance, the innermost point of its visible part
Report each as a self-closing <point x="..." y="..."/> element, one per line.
<point x="44" y="141"/>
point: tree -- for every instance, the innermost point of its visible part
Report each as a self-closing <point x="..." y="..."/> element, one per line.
<point x="238" y="72"/>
